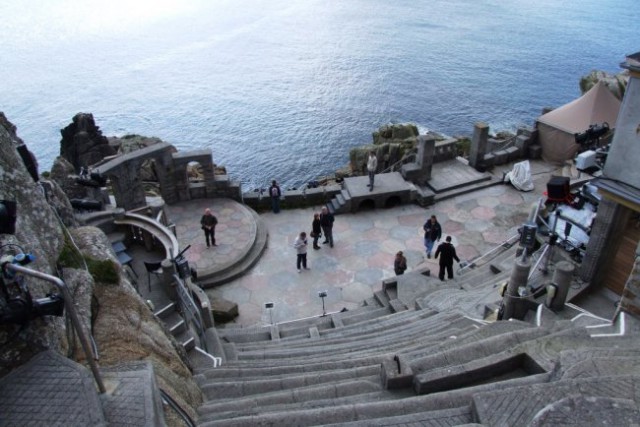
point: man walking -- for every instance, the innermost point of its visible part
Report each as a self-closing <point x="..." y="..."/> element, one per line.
<point x="447" y="253"/>
<point x="432" y="233"/>
<point x="326" y="222"/>
<point x="372" y="165"/>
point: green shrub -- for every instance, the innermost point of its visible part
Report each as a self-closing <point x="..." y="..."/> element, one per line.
<point x="463" y="147"/>
<point x="104" y="271"/>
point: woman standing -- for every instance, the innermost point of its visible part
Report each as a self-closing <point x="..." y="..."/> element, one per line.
<point x="316" y="230"/>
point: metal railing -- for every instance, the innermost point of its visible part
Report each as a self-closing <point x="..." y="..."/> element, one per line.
<point x="217" y="361"/>
<point x="190" y="309"/>
<point x="75" y="320"/>
<point x="404" y="160"/>
<point x="501" y="145"/>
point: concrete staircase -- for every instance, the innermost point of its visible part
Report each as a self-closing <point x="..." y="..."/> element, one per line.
<point x="176" y="326"/>
<point x="434" y="362"/>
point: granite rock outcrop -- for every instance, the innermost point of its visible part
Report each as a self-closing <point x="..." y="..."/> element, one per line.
<point x="82" y="142"/>
<point x="123" y="326"/>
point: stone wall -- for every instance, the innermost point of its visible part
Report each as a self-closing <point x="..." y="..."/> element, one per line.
<point x="630" y="301"/>
<point x="124" y="173"/>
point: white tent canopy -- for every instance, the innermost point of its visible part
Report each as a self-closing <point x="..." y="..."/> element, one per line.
<point x="557" y="128"/>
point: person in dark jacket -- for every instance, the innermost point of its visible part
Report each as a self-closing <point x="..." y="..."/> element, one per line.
<point x="208" y="223"/>
<point x="447" y="253"/>
<point x="326" y="222"/>
<point x="399" y="264"/>
<point x="275" y="193"/>
<point x="432" y="233"/>
<point x="316" y="230"/>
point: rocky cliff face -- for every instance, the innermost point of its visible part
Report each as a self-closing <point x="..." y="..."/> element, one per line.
<point x="390" y="143"/>
<point x="122" y="325"/>
<point x="617" y="83"/>
<point x="83" y="143"/>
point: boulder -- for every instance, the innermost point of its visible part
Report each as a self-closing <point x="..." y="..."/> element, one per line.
<point x="396" y="133"/>
<point x="617" y="83"/>
<point x="223" y="310"/>
<point x="83" y="144"/>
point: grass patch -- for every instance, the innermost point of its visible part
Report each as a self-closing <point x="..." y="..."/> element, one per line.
<point x="102" y="271"/>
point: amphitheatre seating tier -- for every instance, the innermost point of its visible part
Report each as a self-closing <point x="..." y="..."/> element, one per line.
<point x="347" y="333"/>
<point x="388" y="339"/>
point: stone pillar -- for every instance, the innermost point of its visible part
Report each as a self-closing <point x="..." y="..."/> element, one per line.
<point x="514" y="305"/>
<point x="602" y="248"/>
<point x="167" y="279"/>
<point x="626" y="140"/>
<point x="479" y="145"/>
<point x="562" y="280"/>
<point x="164" y="171"/>
<point x="426" y="149"/>
<point x="630" y="301"/>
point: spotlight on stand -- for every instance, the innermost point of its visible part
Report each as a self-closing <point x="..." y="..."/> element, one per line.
<point x="269" y="306"/>
<point x="323" y="295"/>
<point x="592" y="135"/>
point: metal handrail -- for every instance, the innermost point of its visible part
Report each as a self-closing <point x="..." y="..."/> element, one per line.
<point x="190" y="309"/>
<point x="507" y="244"/>
<point x="176" y="407"/>
<point x="217" y="361"/>
<point x="504" y="144"/>
<point x="403" y="160"/>
<point x="68" y="303"/>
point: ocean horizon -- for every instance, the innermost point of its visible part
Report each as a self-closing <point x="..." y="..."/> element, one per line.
<point x="284" y="89"/>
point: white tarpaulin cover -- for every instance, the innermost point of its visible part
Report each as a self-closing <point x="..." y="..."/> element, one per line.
<point x="520" y="176"/>
<point x="557" y="128"/>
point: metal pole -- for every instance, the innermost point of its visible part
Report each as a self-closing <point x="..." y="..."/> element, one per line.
<point x="86" y="347"/>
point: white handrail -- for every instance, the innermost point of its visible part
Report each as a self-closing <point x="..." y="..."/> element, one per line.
<point x="217" y="361"/>
<point x="621" y="328"/>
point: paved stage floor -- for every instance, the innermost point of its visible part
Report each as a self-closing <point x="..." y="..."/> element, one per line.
<point x="365" y="245"/>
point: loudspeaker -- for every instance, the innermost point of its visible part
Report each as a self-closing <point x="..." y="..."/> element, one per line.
<point x="558" y="188"/>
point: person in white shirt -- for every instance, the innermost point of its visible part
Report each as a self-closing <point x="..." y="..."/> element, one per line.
<point x="301" y="248"/>
<point x="372" y="165"/>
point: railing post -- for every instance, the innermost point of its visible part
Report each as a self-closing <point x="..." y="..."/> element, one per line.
<point x="75" y="320"/>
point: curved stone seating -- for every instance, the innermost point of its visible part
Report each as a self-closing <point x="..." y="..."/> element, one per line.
<point x="157" y="230"/>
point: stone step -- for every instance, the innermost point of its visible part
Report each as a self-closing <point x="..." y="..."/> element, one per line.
<point x="231" y="370"/>
<point x="439" y="418"/>
<point x="466" y="188"/>
<point x="216" y="389"/>
<point x="53" y="390"/>
<point x="444" y="412"/>
<point x="288" y="401"/>
<point x="336" y="345"/>
<point x="382" y="298"/>
<point x="178" y="327"/>
<point x="375" y="348"/>
<point x="538" y="402"/>
<point x="39" y="392"/>
<point x="166" y="311"/>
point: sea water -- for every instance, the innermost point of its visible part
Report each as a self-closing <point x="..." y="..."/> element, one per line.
<point x="283" y="89"/>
